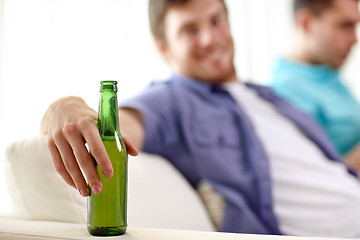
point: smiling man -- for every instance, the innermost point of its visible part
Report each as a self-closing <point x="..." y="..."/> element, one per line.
<point x="272" y="165"/>
<point x="200" y="48"/>
<point x="309" y="74"/>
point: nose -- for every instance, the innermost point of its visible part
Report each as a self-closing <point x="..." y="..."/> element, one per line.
<point x="207" y="37"/>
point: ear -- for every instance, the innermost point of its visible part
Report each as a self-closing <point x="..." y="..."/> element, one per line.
<point x="162" y="48"/>
<point x="303" y="19"/>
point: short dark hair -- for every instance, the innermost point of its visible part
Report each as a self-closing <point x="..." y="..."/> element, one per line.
<point x="315" y="6"/>
<point x="157" y="13"/>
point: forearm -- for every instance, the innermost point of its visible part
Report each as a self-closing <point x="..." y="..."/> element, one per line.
<point x="131" y="125"/>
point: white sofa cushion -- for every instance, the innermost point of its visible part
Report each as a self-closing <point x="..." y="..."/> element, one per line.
<point x="36" y="190"/>
<point x="158" y="195"/>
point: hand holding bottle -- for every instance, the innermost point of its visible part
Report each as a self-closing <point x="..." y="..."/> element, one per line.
<point x="71" y="124"/>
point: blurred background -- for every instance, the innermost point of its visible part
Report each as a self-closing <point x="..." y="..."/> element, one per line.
<point x="55" y="48"/>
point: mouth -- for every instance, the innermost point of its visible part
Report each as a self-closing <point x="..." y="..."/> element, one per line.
<point x="214" y="55"/>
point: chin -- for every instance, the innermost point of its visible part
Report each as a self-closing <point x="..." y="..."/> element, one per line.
<point x="221" y="78"/>
<point x="214" y="74"/>
<point x="337" y="65"/>
<point x="223" y="71"/>
<point x="341" y="61"/>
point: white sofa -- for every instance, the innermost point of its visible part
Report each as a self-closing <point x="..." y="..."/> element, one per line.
<point x="158" y="195"/>
<point x="161" y="204"/>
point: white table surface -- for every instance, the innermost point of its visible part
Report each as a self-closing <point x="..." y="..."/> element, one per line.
<point x="11" y="229"/>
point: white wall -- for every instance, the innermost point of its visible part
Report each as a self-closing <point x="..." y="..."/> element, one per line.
<point x="54" y="48"/>
<point x="59" y="48"/>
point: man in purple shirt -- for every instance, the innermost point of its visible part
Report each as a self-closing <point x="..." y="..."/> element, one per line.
<point x="206" y="123"/>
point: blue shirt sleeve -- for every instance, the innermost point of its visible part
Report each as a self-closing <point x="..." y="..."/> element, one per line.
<point x="158" y="114"/>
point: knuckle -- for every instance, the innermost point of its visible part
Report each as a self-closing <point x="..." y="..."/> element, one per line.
<point x="70" y="166"/>
<point x="60" y="169"/>
<point x="84" y="123"/>
<point x="50" y="142"/>
<point x="69" y="129"/>
<point x="57" y="136"/>
<point x="97" y="150"/>
<point x="83" y="159"/>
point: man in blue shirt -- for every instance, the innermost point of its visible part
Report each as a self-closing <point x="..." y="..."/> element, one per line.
<point x="272" y="165"/>
<point x="309" y="75"/>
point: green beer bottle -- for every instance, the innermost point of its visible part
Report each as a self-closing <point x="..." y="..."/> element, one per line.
<point x="107" y="210"/>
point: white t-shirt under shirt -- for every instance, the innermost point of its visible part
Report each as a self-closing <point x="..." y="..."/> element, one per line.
<point x="312" y="195"/>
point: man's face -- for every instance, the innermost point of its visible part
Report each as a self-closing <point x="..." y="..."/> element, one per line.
<point x="198" y="41"/>
<point x="333" y="33"/>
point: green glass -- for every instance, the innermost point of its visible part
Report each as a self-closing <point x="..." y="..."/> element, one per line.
<point x="107" y="210"/>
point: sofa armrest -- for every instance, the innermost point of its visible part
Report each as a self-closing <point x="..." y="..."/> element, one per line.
<point x="158" y="195"/>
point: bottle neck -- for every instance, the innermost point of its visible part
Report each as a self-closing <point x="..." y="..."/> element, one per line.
<point x="108" y="120"/>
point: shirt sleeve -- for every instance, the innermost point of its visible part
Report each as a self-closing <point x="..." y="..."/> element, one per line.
<point x="158" y="113"/>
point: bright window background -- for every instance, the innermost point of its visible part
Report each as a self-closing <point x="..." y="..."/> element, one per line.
<point x="55" y="48"/>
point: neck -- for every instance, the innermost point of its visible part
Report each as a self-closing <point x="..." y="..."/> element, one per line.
<point x="231" y="78"/>
<point x="300" y="50"/>
<point x="298" y="53"/>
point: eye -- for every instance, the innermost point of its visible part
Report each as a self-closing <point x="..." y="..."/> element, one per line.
<point x="190" y="30"/>
<point x="347" y="24"/>
<point x="217" y="20"/>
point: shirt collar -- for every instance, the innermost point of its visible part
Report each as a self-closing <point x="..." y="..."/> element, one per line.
<point x="207" y="88"/>
<point x="318" y="72"/>
<point x="197" y="85"/>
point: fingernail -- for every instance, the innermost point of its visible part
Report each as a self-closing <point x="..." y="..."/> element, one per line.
<point x="84" y="192"/>
<point x="96" y="189"/>
<point x="108" y="174"/>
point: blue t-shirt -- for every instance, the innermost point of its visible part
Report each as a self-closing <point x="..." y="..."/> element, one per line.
<point x="204" y="133"/>
<point x="319" y="91"/>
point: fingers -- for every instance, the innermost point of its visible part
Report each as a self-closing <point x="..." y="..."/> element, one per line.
<point x="59" y="165"/>
<point x="72" y="159"/>
<point x="80" y="158"/>
<point x="66" y="163"/>
<point x="130" y="147"/>
<point x="97" y="148"/>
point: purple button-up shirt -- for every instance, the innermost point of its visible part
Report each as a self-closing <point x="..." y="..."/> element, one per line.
<point x="207" y="136"/>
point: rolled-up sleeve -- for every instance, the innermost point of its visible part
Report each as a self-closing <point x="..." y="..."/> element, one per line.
<point x="156" y="107"/>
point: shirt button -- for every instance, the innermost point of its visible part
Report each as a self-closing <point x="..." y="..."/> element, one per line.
<point x="221" y="140"/>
